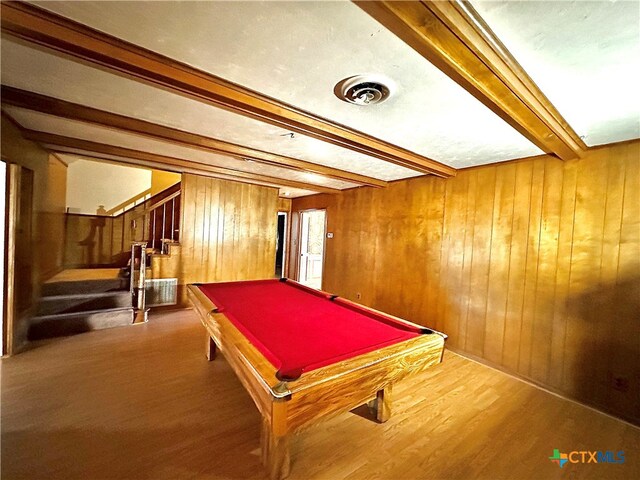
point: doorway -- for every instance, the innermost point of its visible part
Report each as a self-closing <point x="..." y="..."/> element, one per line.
<point x="312" y="234"/>
<point x="281" y="244"/>
<point x="18" y="271"/>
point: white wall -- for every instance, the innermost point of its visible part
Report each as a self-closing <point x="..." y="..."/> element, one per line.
<point x="91" y="184"/>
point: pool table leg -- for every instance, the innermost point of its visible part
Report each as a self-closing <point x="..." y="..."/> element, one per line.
<point x="275" y="452"/>
<point x="382" y="404"/>
<point x="211" y="348"/>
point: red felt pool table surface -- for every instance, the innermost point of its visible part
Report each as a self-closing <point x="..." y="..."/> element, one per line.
<point x="299" y="329"/>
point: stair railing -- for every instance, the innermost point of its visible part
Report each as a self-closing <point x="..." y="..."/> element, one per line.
<point x="166" y="209"/>
<point x="129" y="203"/>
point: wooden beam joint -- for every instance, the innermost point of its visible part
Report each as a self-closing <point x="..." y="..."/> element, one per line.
<point x="453" y="36"/>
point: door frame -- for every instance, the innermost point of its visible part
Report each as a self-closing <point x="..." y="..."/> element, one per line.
<point x="285" y="241"/>
<point x="299" y="243"/>
<point x="12" y="200"/>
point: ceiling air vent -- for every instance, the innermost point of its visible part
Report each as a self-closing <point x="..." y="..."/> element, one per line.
<point x="364" y="89"/>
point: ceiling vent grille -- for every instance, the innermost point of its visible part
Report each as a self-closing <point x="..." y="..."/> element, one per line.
<point x="364" y="89"/>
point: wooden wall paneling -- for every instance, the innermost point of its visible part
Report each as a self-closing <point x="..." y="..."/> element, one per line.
<point x="467" y="262"/>
<point x="220" y="229"/>
<point x="455" y="230"/>
<point x="248" y="228"/>
<point x="416" y="230"/>
<point x="563" y="273"/>
<point x="228" y="230"/>
<point x="434" y="214"/>
<point x="397" y="253"/>
<point x="585" y="275"/>
<point x="480" y="260"/>
<point x="269" y="201"/>
<point x="259" y="249"/>
<point x="385" y="247"/>
<point x="604" y="332"/>
<point x="209" y="195"/>
<point x="52" y="218"/>
<point x="623" y="299"/>
<point x="215" y="230"/>
<point x="442" y="306"/>
<point x="517" y="265"/>
<point x="225" y="229"/>
<point x="333" y="246"/>
<point x="263" y="246"/>
<point x="538" y="266"/>
<point x="235" y="220"/>
<point x="343" y="249"/>
<point x="187" y="224"/>
<point x="284" y="204"/>
<point x="547" y="271"/>
<point x="364" y="242"/>
<point x="199" y="268"/>
<point x="531" y="266"/>
<point x="92" y="241"/>
<point x="205" y="194"/>
<point x="45" y="249"/>
<point x="268" y="241"/>
<point x="235" y="208"/>
<point x="498" y="280"/>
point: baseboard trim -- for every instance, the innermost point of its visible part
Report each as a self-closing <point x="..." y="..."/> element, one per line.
<point x="533" y="383"/>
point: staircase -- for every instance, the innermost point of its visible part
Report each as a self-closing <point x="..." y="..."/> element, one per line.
<point x="71" y="307"/>
<point x="92" y="299"/>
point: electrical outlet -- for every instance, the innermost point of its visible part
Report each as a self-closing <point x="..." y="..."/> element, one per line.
<point x="358" y="296"/>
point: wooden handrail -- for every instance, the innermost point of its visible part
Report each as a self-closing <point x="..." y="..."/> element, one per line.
<point x="128" y="202"/>
<point x="156" y="205"/>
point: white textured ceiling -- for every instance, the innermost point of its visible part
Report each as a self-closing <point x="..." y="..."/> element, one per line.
<point x="298" y="51"/>
<point x="74" y="129"/>
<point x="75" y="155"/>
<point x="584" y="55"/>
<point x="40" y="71"/>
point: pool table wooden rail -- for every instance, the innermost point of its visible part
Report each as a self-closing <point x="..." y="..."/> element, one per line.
<point x="291" y="406"/>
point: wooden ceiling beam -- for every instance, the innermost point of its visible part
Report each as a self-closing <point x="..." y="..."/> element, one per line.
<point x="53" y="31"/>
<point x="453" y="37"/>
<point x="73" y="111"/>
<point x="45" y="138"/>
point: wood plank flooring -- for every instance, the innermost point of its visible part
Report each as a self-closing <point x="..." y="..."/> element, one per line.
<point x="142" y="402"/>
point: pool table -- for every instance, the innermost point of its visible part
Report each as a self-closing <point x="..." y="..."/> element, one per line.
<point x="304" y="355"/>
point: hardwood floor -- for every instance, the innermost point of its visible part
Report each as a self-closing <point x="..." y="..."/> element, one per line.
<point x="142" y="402"/>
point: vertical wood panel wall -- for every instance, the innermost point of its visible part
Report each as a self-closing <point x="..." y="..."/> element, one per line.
<point x="228" y="230"/>
<point x="46" y="204"/>
<point x="532" y="266"/>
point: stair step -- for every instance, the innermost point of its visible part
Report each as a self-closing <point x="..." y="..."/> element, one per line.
<point x="84" y="287"/>
<point x="63" y="324"/>
<point x="83" y="302"/>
